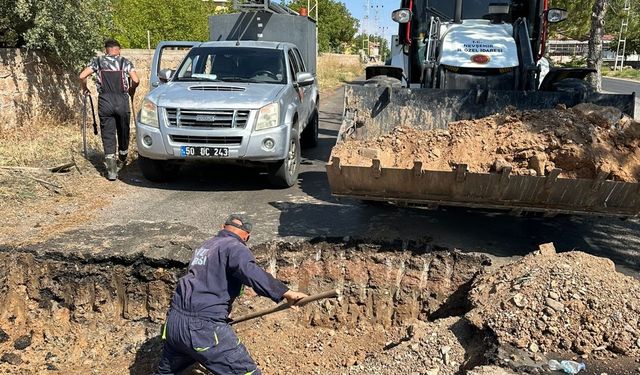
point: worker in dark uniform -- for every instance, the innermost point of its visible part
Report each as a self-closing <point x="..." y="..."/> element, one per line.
<point x="197" y="328"/>
<point x="113" y="73"/>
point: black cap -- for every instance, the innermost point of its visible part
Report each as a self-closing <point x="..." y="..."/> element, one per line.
<point x="245" y="223"/>
<point x="110" y="43"/>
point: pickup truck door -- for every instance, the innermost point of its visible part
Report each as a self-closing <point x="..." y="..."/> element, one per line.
<point x="170" y="59"/>
<point x="308" y="90"/>
<point x="303" y="92"/>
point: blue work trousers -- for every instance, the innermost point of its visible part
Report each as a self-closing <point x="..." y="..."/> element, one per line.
<point x="189" y="339"/>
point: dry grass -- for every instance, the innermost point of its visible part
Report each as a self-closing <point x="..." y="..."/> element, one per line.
<point x="36" y="203"/>
<point x="628" y="73"/>
<point x="335" y="70"/>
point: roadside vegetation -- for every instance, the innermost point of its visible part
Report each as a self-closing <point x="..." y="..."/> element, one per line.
<point x="335" y="70"/>
<point x="629" y="73"/>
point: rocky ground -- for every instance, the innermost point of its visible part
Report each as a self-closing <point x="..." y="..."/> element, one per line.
<point x="549" y="302"/>
<point x="581" y="141"/>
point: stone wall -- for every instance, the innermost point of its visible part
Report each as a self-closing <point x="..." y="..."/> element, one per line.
<point x="33" y="87"/>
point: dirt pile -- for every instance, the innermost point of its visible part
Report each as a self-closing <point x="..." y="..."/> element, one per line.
<point x="446" y="346"/>
<point x="568" y="302"/>
<point x="581" y="141"/>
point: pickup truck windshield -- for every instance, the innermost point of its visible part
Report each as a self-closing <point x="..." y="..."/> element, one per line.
<point x="233" y="64"/>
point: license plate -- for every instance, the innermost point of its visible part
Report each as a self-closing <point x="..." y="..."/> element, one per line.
<point x="213" y="152"/>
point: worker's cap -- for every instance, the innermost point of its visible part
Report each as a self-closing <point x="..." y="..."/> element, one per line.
<point x="239" y="221"/>
<point x="110" y="43"/>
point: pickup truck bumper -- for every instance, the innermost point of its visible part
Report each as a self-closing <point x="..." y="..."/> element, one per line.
<point x="165" y="143"/>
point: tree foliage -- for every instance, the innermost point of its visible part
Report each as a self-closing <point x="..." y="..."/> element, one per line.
<point x="336" y="26"/>
<point x="577" y="26"/>
<point x="360" y="40"/>
<point x="164" y="19"/>
<point x="70" y="30"/>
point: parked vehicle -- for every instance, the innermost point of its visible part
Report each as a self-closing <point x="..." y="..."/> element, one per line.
<point x="234" y="100"/>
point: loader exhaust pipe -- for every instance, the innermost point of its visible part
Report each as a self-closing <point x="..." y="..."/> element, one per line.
<point x="457" y="17"/>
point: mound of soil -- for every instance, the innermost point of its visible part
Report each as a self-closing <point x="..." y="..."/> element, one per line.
<point x="581" y="141"/>
<point x="446" y="346"/>
<point x="548" y="302"/>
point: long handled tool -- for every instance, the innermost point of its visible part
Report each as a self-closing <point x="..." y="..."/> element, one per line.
<point x="84" y="122"/>
<point x="328" y="294"/>
<point x="93" y="116"/>
<point x="84" y="125"/>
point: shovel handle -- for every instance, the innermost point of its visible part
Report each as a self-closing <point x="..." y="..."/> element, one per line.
<point x="335" y="293"/>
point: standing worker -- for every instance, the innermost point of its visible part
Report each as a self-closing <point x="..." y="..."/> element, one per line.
<point x="197" y="328"/>
<point x="112" y="72"/>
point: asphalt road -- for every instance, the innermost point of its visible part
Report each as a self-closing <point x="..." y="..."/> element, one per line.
<point x="205" y="194"/>
<point x="621" y="86"/>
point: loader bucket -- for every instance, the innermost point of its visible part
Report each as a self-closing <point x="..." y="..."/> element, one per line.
<point x="370" y="112"/>
<point x="382" y="108"/>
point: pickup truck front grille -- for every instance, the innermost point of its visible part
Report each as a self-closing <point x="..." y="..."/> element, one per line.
<point x="207" y="119"/>
<point x="193" y="139"/>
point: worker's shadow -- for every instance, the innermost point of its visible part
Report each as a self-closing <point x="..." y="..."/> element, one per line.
<point x="148" y="356"/>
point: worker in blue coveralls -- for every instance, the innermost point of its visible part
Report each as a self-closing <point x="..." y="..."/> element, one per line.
<point x="197" y="328"/>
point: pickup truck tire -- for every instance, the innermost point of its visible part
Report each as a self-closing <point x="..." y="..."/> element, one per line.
<point x="284" y="173"/>
<point x="310" y="133"/>
<point x="158" y="170"/>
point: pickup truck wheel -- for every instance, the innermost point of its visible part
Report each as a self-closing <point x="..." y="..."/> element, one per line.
<point x="310" y="133"/>
<point x="158" y="170"/>
<point x="284" y="173"/>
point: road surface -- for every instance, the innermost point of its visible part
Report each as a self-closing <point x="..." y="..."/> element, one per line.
<point x="205" y="194"/>
<point x="623" y="86"/>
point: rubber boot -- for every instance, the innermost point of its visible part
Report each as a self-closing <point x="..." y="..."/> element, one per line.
<point x="122" y="160"/>
<point x="112" y="167"/>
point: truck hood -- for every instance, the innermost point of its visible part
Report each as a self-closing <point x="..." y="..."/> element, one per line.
<point x="493" y="42"/>
<point x="206" y="95"/>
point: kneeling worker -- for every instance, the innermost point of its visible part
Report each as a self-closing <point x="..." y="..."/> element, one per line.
<point x="197" y="328"/>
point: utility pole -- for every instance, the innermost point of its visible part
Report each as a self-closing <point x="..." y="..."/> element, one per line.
<point x="622" y="38"/>
<point x="365" y="28"/>
<point x="312" y="8"/>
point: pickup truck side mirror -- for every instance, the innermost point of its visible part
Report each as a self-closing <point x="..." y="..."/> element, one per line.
<point x="305" y="79"/>
<point x="165" y="75"/>
<point x="555" y="15"/>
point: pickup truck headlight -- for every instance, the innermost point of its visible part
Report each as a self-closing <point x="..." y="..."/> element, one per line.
<point x="268" y="117"/>
<point x="149" y="113"/>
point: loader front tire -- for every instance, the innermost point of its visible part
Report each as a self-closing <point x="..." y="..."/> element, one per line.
<point x="574" y="85"/>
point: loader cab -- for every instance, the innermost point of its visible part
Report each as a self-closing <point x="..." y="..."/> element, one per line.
<point x="487" y="30"/>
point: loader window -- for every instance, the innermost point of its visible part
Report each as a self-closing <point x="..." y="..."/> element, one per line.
<point x="471" y="9"/>
<point x="233" y="64"/>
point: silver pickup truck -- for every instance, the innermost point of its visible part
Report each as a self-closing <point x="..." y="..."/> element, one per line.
<point x="230" y="101"/>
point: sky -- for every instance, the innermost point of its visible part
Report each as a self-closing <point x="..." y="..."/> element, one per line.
<point x="384" y="8"/>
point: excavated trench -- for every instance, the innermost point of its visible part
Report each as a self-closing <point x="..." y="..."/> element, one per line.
<point x="83" y="315"/>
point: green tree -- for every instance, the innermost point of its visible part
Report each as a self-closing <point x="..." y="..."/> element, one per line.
<point x="69" y="30"/>
<point x="578" y="24"/>
<point x="164" y="19"/>
<point x="360" y="40"/>
<point x="336" y="25"/>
